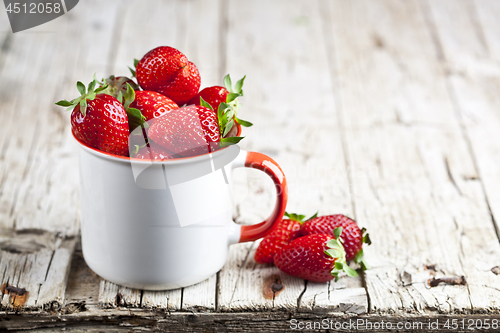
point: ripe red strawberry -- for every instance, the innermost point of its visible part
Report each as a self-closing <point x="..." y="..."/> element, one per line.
<point x="317" y="258"/>
<point x="153" y="152"/>
<point x="212" y="95"/>
<point x="283" y="233"/>
<point x="99" y="120"/>
<point x="225" y="101"/>
<point x="187" y="131"/>
<point x="352" y="237"/>
<point x="152" y="104"/>
<point x="168" y="71"/>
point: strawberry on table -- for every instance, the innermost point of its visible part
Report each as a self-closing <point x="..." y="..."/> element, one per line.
<point x="317" y="258"/>
<point x="352" y="236"/>
<point x="168" y="71"/>
<point x="99" y="120"/>
<point x="283" y="233"/>
<point x="152" y="104"/>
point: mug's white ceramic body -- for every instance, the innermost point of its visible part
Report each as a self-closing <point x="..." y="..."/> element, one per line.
<point x="162" y="225"/>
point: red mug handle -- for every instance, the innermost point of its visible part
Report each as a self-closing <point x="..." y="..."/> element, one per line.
<point x="266" y="164"/>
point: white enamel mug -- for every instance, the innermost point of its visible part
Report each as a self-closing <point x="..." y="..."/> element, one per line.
<point x="165" y="225"/>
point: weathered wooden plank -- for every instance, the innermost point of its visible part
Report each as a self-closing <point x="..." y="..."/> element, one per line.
<point x="424" y="204"/>
<point x="298" y="130"/>
<point x="125" y="320"/>
<point x="470" y="55"/>
<point x="38" y="148"/>
<point x="37" y="262"/>
<point x="38" y="173"/>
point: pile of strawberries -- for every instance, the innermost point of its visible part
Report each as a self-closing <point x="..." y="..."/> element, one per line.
<point x="316" y="249"/>
<point x="107" y="112"/>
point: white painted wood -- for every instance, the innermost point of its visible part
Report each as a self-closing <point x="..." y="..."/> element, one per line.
<point x="200" y="296"/>
<point x="470" y="51"/>
<point x="39" y="171"/>
<point x="299" y="130"/>
<point x="424" y="204"/>
<point x="38" y="263"/>
<point x="382" y="110"/>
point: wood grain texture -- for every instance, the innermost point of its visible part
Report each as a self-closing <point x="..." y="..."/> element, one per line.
<point x="294" y="33"/>
<point x="473" y="81"/>
<point x="385" y="110"/>
<point x="39" y="199"/>
<point x="425" y="204"/>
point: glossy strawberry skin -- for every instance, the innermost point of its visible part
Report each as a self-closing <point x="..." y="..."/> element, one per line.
<point x="152" y="104"/>
<point x="104" y="126"/>
<point x="168" y="71"/>
<point x="153" y="152"/>
<point x="351" y="234"/>
<point x="285" y="231"/>
<point x="212" y="95"/>
<point x="305" y="258"/>
<point x="187" y="131"/>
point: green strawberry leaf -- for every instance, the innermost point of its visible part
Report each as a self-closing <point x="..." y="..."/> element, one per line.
<point x="227" y="83"/>
<point x="136" y="113"/>
<point x="132" y="71"/>
<point x="334" y="253"/>
<point x="359" y="259"/>
<point x="366" y="237"/>
<point x="98" y="90"/>
<point x="337" y="232"/>
<point x="92" y="86"/>
<point x="81" y="87"/>
<point x="228" y="127"/>
<point x="243" y="122"/>
<point x="91" y="96"/>
<point x="339" y="265"/>
<point x="315" y="215"/>
<point x="232" y="140"/>
<point x="136" y="62"/>
<point x="129" y="96"/>
<point x="83" y="107"/>
<point x="231" y="97"/>
<point x="239" y="85"/>
<point x="349" y="271"/>
<point x="206" y="104"/>
<point x="333" y="243"/>
<point x="64" y="103"/>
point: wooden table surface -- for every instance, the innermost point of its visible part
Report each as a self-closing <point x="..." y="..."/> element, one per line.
<point x="385" y="111"/>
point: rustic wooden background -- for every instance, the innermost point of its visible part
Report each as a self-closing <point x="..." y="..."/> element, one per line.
<point x="387" y="111"/>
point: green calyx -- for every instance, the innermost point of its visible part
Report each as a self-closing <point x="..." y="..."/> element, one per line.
<point x="132" y="70"/>
<point x="88" y="94"/>
<point x="225" y="125"/>
<point x="116" y="85"/>
<point x="299" y="218"/>
<point x="336" y="250"/>
<point x="229" y="109"/>
<point x="135" y="117"/>
<point x="359" y="259"/>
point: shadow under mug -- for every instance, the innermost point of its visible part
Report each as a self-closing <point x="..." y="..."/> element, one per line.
<point x="165" y="225"/>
